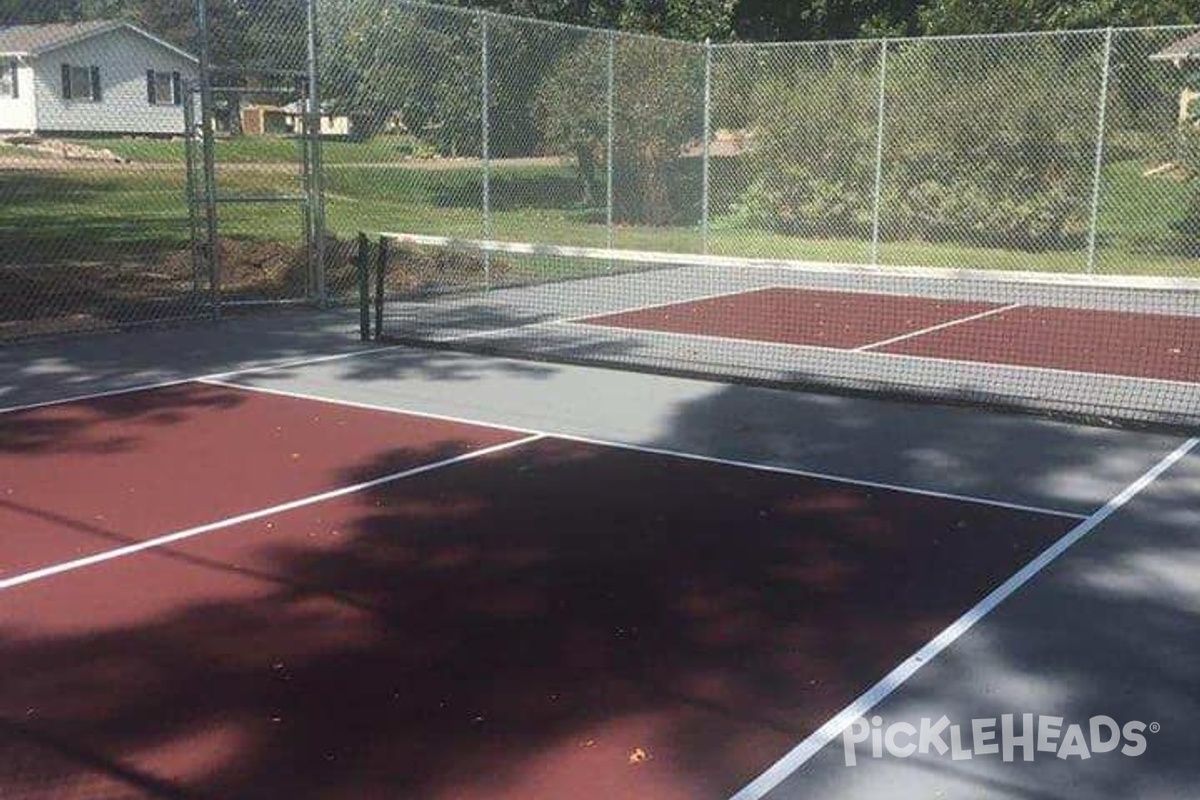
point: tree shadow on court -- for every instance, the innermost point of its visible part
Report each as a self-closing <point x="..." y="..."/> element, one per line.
<point x="108" y="425"/>
<point x="82" y="365"/>
<point x="561" y="616"/>
<point x="535" y="621"/>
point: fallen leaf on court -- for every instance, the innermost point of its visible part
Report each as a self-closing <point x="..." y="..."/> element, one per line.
<point x="638" y="756"/>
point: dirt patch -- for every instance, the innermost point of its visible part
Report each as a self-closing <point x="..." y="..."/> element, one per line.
<point x="57" y="148"/>
<point x="412" y="271"/>
<point x="137" y="288"/>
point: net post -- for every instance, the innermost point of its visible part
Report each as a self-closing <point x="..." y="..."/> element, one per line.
<point x="704" y="181"/>
<point x="881" y="108"/>
<point x="362" y="262"/>
<point x="608" y="160"/>
<point x="485" y="117"/>
<point x="1098" y="166"/>
<point x="381" y="262"/>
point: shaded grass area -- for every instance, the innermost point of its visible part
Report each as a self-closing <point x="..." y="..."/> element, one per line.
<point x="94" y="243"/>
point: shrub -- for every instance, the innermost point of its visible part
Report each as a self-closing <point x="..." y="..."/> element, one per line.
<point x="989" y="143"/>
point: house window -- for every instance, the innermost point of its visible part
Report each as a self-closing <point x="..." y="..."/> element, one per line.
<point x="163" y="88"/>
<point x="80" y="83"/>
<point x="8" y="78"/>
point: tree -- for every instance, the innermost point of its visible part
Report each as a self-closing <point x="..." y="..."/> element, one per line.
<point x="25" y="12"/>
<point x="571" y="111"/>
<point x="771" y="20"/>
<point x="658" y="109"/>
<point x="987" y="16"/>
<point x="419" y="65"/>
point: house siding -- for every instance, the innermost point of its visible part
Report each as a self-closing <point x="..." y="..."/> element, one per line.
<point x="123" y="57"/>
<point x="20" y="113"/>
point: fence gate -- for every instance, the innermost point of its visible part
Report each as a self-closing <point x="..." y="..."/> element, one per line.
<point x="254" y="188"/>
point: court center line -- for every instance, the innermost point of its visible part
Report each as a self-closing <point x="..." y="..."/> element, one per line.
<point x="827" y="733"/>
<point x="188" y="533"/>
<point x="913" y="334"/>
<point x="659" y="451"/>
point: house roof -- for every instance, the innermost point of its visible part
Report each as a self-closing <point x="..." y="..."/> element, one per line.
<point x="1185" y="49"/>
<point x="34" y="40"/>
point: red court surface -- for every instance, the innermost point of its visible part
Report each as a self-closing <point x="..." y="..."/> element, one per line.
<point x="556" y="620"/>
<point x="1103" y="342"/>
<point x="1076" y="340"/>
<point x="82" y="477"/>
<point x="797" y="316"/>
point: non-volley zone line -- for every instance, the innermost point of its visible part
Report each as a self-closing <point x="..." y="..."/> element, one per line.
<point x="658" y="451"/>
<point x="200" y="530"/>
<point x="803" y="752"/>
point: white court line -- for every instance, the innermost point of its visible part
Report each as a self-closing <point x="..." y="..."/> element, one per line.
<point x="932" y="328"/>
<point x="809" y="747"/>
<point x="145" y="387"/>
<point x="658" y="451"/>
<point x="188" y="533"/>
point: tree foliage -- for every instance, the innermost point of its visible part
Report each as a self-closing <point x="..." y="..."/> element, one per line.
<point x="657" y="112"/>
<point x="986" y="16"/>
<point x="990" y="143"/>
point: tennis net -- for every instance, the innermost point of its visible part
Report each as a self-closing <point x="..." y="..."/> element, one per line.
<point x="1120" y="350"/>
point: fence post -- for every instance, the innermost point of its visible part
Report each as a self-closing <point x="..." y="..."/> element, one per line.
<point x="1098" y="167"/>
<point x="190" y="95"/>
<point x="315" y="177"/>
<point x="208" y="157"/>
<point x="704" y="182"/>
<point x="877" y="200"/>
<point x="485" y="117"/>
<point x="608" y="160"/>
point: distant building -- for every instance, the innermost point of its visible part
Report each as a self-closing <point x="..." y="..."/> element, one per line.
<point x="1185" y="55"/>
<point x="103" y="77"/>
<point x="287" y="120"/>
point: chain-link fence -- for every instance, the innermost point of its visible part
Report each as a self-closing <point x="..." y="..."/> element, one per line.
<point x="1071" y="152"/>
<point x="1052" y="152"/>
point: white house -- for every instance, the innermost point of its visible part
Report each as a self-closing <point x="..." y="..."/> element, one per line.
<point x="91" y="77"/>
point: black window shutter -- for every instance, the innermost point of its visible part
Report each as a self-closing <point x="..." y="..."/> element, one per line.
<point x="177" y="88"/>
<point x="151" y="94"/>
<point x="96" y="84"/>
<point x="66" y="81"/>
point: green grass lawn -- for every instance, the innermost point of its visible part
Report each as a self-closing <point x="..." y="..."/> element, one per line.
<point x="89" y="214"/>
<point x="258" y="149"/>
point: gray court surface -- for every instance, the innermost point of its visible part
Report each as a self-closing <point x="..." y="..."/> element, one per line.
<point x="1110" y="627"/>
